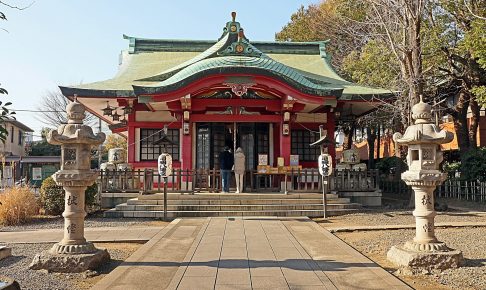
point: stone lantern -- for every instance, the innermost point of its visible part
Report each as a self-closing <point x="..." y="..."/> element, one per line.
<point x="73" y="253"/>
<point x="424" y="156"/>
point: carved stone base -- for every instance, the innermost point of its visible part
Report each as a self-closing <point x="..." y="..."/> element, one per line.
<point x="86" y="248"/>
<point x="429" y="247"/>
<point x="429" y="260"/>
<point x="7" y="283"/>
<point x="5" y="252"/>
<point x="67" y="263"/>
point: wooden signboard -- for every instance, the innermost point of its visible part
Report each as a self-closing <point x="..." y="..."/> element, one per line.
<point x="280" y="161"/>
<point x="262" y="159"/>
<point x="294" y="160"/>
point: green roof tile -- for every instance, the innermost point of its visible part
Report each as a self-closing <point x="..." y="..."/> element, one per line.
<point x="158" y="65"/>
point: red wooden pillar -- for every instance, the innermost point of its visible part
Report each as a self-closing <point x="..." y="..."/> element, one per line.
<point x="285" y="143"/>
<point x="331" y="126"/>
<point x="131" y="139"/>
<point x="186" y="158"/>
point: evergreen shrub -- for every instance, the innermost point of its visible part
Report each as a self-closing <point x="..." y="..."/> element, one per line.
<point x="390" y="165"/>
<point x="52" y="196"/>
<point x="473" y="165"/>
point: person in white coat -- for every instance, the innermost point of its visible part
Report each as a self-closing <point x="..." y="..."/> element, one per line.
<point x="239" y="169"/>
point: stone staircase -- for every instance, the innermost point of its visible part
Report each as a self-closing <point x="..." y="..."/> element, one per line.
<point x="217" y="204"/>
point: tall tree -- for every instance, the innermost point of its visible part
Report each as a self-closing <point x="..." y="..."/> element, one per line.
<point x="432" y="47"/>
<point x="114" y="141"/>
<point x="4" y="115"/>
<point x="463" y="71"/>
<point x="325" y="21"/>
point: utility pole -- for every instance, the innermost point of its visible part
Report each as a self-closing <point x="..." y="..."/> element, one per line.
<point x="100" y="148"/>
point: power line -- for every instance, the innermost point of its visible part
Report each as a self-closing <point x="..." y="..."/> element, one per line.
<point x="131" y="144"/>
<point x="35" y="111"/>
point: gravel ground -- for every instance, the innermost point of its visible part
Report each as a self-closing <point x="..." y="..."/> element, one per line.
<point x="92" y="221"/>
<point x="375" y="244"/>
<point x="384" y="216"/>
<point x="16" y="267"/>
<point x="471" y="241"/>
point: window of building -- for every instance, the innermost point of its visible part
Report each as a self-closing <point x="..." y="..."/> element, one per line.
<point x="20" y="137"/>
<point x="300" y="145"/>
<point x="149" y="151"/>
<point x="12" y="134"/>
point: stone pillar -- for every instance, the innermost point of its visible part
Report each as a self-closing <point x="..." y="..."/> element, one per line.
<point x="73" y="253"/>
<point x="74" y="216"/>
<point x="423" y="140"/>
<point x="424" y="214"/>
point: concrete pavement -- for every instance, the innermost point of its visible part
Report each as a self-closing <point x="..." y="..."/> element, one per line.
<point x="247" y="253"/>
<point x="97" y="235"/>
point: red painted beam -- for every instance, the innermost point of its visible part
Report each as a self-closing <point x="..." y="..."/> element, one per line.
<point x="235" y="118"/>
<point x="155" y="125"/>
<point x="119" y="130"/>
<point x="204" y="104"/>
<point x="214" y="80"/>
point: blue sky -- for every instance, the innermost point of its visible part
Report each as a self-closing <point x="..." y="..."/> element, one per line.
<point x="62" y="42"/>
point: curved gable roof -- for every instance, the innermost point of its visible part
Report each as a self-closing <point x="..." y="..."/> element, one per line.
<point x="154" y="65"/>
<point x="240" y="64"/>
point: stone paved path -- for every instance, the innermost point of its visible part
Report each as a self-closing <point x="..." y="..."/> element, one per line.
<point x="102" y="234"/>
<point x="247" y="253"/>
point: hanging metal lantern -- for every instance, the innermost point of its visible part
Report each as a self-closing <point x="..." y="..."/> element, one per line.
<point x="116" y="116"/>
<point x="124" y="121"/>
<point x="127" y="110"/>
<point x="108" y="111"/>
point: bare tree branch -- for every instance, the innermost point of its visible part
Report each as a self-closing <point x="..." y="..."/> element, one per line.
<point x="16" y="7"/>
<point x="52" y="109"/>
<point x="471" y="11"/>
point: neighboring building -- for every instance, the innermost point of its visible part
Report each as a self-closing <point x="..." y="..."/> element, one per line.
<point x="267" y="97"/>
<point x="18" y="166"/>
<point x="15" y="142"/>
<point x="12" y="151"/>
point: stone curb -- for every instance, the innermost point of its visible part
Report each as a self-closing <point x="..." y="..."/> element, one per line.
<point x="402" y="227"/>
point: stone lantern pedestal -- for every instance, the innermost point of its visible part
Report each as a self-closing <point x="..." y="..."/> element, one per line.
<point x="73" y="253"/>
<point x="424" y="156"/>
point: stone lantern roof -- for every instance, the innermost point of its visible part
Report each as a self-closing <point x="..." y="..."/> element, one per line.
<point x="424" y="131"/>
<point x="422" y="112"/>
<point x="75" y="132"/>
<point x="75" y="112"/>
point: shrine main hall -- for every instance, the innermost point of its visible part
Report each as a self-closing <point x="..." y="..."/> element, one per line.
<point x="267" y="97"/>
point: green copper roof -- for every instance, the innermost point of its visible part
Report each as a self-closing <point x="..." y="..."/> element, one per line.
<point x="241" y="64"/>
<point x="159" y="65"/>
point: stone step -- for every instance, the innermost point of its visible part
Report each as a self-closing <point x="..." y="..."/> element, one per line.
<point x="136" y="201"/>
<point x="174" y="214"/>
<point x="240" y="196"/>
<point x="228" y="204"/>
<point x="237" y="207"/>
